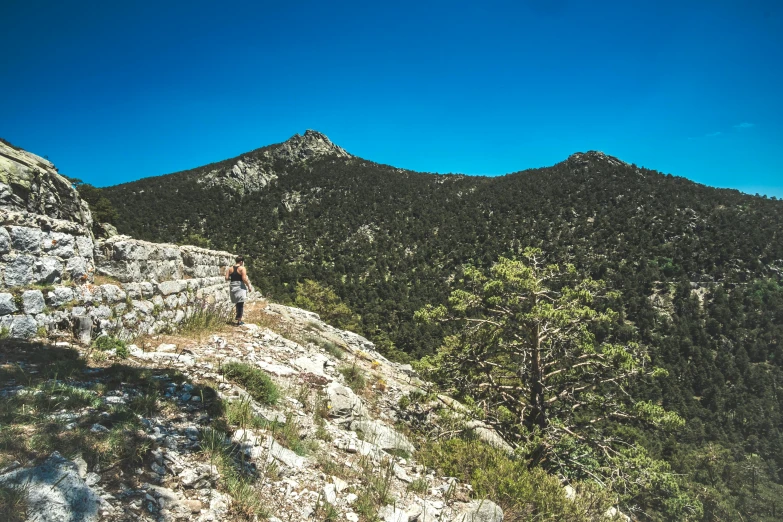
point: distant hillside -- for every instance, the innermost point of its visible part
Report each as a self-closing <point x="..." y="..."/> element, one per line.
<point x="699" y="269"/>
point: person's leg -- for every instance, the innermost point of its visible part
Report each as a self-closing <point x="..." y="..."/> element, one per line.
<point x="240" y="311"/>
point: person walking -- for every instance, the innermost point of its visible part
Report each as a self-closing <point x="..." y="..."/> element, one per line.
<point x="238" y="286"/>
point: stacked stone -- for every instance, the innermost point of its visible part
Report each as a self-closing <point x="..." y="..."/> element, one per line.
<point x="48" y="259"/>
<point x="35" y="249"/>
<point x="130" y="308"/>
<point x="128" y="259"/>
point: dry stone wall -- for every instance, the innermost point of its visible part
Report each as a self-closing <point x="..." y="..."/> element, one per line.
<point x="128" y="259"/>
<point x="49" y="261"/>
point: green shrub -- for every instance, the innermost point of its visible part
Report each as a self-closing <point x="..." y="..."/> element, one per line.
<point x="354" y="377"/>
<point x="109" y="342"/>
<point x="522" y="493"/>
<point x="256" y="382"/>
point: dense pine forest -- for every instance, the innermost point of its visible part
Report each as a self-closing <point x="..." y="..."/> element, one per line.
<point x="699" y="271"/>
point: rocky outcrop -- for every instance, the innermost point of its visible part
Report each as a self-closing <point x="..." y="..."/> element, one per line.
<point x="253" y="171"/>
<point x="128" y="259"/>
<point x="31" y="183"/>
<point x="37" y="249"/>
<point x="55" y="491"/>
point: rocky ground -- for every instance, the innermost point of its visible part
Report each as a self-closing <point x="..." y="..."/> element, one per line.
<point x="178" y="430"/>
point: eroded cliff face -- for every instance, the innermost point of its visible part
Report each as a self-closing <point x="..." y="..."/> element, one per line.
<point x="31" y="183"/>
<point x="49" y="261"/>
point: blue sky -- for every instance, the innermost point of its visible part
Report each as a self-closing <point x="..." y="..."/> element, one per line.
<point x="115" y="91"/>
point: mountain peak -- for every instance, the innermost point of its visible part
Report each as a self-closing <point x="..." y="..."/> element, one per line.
<point x="253" y="171"/>
<point x="312" y="144"/>
<point x="591" y="156"/>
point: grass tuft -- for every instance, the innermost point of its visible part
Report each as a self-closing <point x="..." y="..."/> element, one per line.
<point x="206" y="318"/>
<point x="256" y="382"/>
<point x="13" y="503"/>
<point x="354" y="377"/>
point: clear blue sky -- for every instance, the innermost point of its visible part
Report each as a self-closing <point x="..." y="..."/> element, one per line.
<point x="115" y="91"/>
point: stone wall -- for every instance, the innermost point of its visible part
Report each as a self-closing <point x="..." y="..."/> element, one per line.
<point x="37" y="249"/>
<point x="124" y="309"/>
<point x="49" y="261"/>
<point x="128" y="259"/>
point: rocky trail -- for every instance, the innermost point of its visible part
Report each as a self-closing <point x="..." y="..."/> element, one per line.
<point x="186" y="429"/>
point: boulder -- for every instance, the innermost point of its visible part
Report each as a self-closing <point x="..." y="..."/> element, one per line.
<point x="389" y="513"/>
<point x="343" y="401"/>
<point x="55" y="491"/>
<point x="59" y="244"/>
<point x="85" y="246"/>
<point x="480" y="511"/>
<point x="112" y="293"/>
<point x="382" y="436"/>
<point x="59" y="296"/>
<point x="77" y="268"/>
<point x="82" y="326"/>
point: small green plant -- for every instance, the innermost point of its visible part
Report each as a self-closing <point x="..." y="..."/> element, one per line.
<point x="420" y="485"/>
<point x="354" y="377"/>
<point x="42" y="331"/>
<point x="256" y="382"/>
<point x="145" y="404"/>
<point x="109" y="342"/>
<point x="239" y="413"/>
<point x="5" y="332"/>
<point x="325" y="511"/>
<point x="332" y="349"/>
<point x="287" y="434"/>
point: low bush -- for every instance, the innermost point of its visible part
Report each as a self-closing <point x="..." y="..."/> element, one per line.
<point x="108" y="342"/>
<point x="256" y="382"/>
<point x="522" y="493"/>
<point x="354" y="377"/>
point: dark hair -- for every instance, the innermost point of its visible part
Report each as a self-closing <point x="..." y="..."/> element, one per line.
<point x="239" y="259"/>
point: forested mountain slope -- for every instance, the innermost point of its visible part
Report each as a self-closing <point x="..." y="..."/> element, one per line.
<point x="699" y="270"/>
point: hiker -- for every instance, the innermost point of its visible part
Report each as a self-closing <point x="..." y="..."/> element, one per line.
<point x="238" y="286"/>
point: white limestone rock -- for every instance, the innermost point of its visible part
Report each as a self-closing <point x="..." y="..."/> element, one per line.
<point x="480" y="511"/>
<point x="112" y="293"/>
<point x="7" y="304"/>
<point x="23" y="327"/>
<point x="33" y="302"/>
<point x="77" y="269"/>
<point x="47" y="270"/>
<point x="384" y="437"/>
<point x="26" y="239"/>
<point x="19" y="271"/>
<point x="55" y="492"/>
<point x="5" y="241"/>
<point x="59" y="296"/>
<point x="343" y="401"/>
